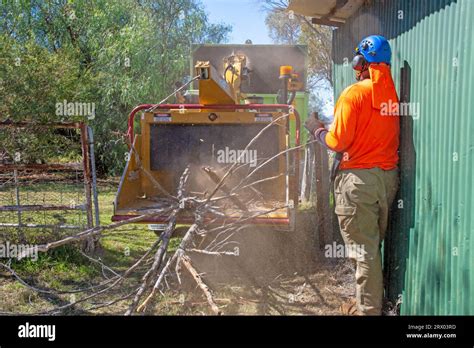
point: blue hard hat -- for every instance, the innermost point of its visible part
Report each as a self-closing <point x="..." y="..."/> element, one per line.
<point x="375" y="49"/>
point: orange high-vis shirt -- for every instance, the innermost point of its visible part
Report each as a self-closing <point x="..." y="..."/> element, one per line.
<point x="366" y="125"/>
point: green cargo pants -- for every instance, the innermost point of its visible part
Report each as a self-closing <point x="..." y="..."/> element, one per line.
<point x="362" y="199"/>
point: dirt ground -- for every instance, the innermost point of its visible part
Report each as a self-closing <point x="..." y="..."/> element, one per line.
<point x="276" y="273"/>
<point x="239" y="288"/>
<point x="321" y="291"/>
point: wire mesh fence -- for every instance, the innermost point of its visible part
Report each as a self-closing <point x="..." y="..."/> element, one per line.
<point x="45" y="181"/>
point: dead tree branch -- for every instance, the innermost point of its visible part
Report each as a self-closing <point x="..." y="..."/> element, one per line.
<point x="205" y="289"/>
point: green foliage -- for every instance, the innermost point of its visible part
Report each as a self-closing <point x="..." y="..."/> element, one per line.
<point x="32" y="81"/>
<point x="290" y="28"/>
<point x="282" y="29"/>
<point x="112" y="54"/>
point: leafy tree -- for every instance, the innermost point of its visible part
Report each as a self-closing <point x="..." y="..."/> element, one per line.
<point x="32" y="81"/>
<point x="291" y="28"/>
<point x="282" y="30"/>
<point x="114" y="54"/>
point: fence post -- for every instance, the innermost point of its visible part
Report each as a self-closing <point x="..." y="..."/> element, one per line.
<point x="321" y="169"/>
<point x="90" y="245"/>
<point x="94" y="176"/>
<point x="21" y="235"/>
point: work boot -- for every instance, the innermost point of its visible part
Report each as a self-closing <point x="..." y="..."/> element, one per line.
<point x="349" y="308"/>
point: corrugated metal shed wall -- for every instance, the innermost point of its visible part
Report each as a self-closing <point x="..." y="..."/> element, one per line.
<point x="429" y="254"/>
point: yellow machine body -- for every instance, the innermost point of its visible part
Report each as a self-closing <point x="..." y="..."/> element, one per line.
<point x="213" y="89"/>
<point x="137" y="193"/>
<point x="206" y="137"/>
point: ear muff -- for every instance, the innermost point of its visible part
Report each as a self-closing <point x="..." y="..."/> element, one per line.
<point x="359" y="63"/>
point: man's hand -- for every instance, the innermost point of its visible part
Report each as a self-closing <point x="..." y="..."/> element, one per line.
<point x="313" y="123"/>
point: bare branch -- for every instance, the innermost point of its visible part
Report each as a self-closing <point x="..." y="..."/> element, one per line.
<point x="205" y="289"/>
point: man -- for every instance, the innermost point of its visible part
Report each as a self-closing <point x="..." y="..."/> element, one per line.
<point x="365" y="134"/>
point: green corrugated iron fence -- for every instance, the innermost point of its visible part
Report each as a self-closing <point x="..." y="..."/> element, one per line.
<point x="429" y="251"/>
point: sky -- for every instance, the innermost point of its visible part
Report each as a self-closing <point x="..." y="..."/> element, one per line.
<point x="246" y="17"/>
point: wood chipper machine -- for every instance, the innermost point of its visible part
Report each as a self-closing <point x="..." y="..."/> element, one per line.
<point x="209" y="130"/>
